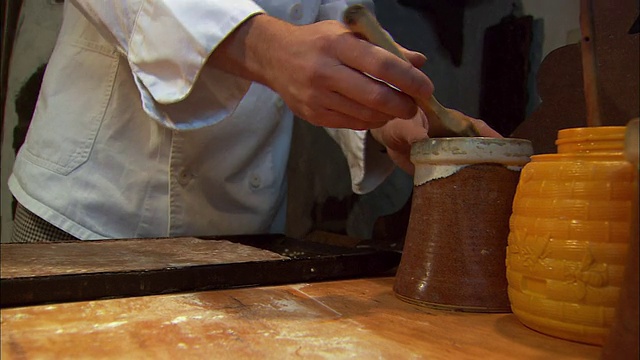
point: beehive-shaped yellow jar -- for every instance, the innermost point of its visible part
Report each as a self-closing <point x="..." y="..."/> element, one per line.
<point x="569" y="232"/>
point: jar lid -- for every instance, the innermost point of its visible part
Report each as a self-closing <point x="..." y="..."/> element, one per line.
<point x="472" y="150"/>
<point x="591" y="139"/>
<point x="591" y="132"/>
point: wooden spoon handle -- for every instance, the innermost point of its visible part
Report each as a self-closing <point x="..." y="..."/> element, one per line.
<point x="362" y="22"/>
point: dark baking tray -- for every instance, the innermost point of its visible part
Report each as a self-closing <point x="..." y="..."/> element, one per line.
<point x="308" y="262"/>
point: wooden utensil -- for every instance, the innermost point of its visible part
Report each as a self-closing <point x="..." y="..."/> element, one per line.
<point x="589" y="63"/>
<point x="443" y="122"/>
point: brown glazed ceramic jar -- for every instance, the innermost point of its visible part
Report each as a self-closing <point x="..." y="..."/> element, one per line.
<point x="454" y="252"/>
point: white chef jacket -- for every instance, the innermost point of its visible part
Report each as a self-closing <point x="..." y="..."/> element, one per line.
<point x="132" y="137"/>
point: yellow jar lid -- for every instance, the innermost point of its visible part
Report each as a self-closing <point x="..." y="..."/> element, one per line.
<point x="592" y="132"/>
<point x="591" y="139"/>
<point x="604" y="156"/>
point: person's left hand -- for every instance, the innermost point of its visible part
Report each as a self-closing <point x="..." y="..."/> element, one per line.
<point x="399" y="134"/>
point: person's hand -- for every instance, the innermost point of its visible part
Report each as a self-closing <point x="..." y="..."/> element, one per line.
<point x="399" y="134"/>
<point x="484" y="129"/>
<point x="320" y="72"/>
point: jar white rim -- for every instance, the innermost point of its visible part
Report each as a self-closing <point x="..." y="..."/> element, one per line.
<point x="472" y="150"/>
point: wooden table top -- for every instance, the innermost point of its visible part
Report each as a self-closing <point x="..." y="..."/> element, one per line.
<point x="338" y="319"/>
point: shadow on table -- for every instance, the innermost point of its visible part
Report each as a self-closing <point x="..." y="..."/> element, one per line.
<point x="510" y="327"/>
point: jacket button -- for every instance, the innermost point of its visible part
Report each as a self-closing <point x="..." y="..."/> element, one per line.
<point x="184" y="177"/>
<point x="255" y="181"/>
<point x="296" y="12"/>
<point x="279" y="103"/>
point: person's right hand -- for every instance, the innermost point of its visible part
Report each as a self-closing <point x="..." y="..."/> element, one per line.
<point x="319" y="71"/>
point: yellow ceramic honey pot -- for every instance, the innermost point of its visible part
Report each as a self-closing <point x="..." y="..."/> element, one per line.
<point x="569" y="232"/>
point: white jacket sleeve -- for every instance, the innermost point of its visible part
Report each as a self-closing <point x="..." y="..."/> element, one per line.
<point x="166" y="43"/>
<point x="369" y="164"/>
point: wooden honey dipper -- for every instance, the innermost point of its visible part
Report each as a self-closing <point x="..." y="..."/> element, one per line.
<point x="443" y="122"/>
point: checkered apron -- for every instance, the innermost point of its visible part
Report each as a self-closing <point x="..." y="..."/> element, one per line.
<point x="30" y="228"/>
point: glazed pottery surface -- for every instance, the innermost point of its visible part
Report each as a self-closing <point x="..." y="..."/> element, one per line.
<point x="454" y="251"/>
<point x="569" y="233"/>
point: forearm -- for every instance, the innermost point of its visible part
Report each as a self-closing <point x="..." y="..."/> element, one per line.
<point x="253" y="49"/>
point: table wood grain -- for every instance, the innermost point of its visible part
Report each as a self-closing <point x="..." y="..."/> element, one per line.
<point x="359" y="319"/>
